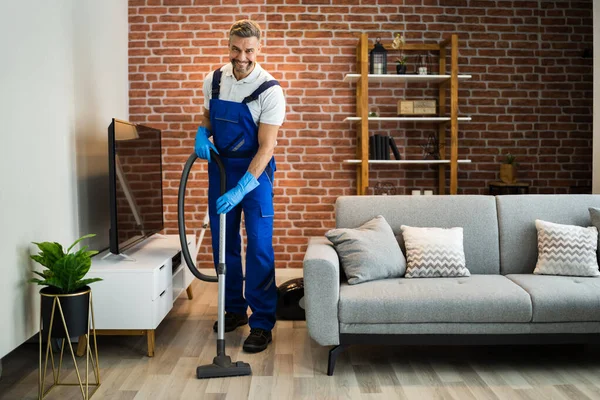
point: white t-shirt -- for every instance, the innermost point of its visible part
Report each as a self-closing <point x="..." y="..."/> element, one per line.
<point x="269" y="108"/>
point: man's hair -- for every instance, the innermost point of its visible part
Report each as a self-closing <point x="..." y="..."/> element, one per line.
<point x="245" y="28"/>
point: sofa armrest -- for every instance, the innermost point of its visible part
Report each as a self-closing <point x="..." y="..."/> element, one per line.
<point x="322" y="291"/>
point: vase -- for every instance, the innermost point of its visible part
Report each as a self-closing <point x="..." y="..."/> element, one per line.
<point x="401" y="69"/>
<point x="507" y="173"/>
<point x="75" y="310"/>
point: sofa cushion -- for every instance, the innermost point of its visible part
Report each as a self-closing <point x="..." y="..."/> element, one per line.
<point x="368" y="252"/>
<point x="516" y="217"/>
<point x="475" y="214"/>
<point x="477" y="299"/>
<point x="561" y="298"/>
<point x="434" y="252"/>
<point x="566" y="249"/>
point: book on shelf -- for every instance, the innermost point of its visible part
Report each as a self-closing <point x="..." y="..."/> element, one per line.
<point x="380" y="147"/>
<point x="394" y="148"/>
<point x="384" y="147"/>
<point x="376" y="149"/>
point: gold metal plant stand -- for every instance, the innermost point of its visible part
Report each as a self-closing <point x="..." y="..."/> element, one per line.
<point x="84" y="386"/>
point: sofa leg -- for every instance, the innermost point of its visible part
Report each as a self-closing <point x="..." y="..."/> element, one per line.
<point x="333" y="355"/>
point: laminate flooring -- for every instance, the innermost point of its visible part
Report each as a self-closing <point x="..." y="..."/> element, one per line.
<point x="294" y="366"/>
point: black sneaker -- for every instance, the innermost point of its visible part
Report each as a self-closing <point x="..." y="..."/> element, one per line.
<point x="258" y="340"/>
<point x="232" y="321"/>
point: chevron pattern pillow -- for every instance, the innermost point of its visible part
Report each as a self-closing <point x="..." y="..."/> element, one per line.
<point x="434" y="252"/>
<point x="566" y="249"/>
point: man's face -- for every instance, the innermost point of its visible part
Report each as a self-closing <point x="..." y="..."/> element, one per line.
<point x="242" y="54"/>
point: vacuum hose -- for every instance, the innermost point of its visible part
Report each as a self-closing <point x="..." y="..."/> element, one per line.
<point x="181" y="211"/>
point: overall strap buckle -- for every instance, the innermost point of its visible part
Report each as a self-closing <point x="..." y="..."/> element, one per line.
<point x="216" y="83"/>
<point x="265" y="85"/>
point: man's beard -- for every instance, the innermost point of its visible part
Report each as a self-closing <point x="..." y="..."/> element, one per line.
<point x="242" y="68"/>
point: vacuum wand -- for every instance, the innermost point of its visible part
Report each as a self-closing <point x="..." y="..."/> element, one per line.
<point x="221" y="365"/>
<point x="222" y="269"/>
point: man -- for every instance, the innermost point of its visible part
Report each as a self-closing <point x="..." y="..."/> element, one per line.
<point x="244" y="107"/>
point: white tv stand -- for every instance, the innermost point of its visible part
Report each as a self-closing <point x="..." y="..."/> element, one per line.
<point x="135" y="296"/>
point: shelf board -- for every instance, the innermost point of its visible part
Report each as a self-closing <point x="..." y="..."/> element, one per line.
<point x="407" y="161"/>
<point x="386" y="119"/>
<point x="403" y="78"/>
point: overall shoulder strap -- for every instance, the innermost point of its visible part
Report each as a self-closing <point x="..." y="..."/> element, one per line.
<point x="260" y="90"/>
<point x="216" y="83"/>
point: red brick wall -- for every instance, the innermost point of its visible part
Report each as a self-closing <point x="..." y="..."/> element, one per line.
<point x="530" y="95"/>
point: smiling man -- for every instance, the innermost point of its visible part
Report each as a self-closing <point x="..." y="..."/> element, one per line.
<point x="244" y="107"/>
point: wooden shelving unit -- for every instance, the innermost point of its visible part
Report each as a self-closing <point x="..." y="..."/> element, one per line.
<point x="443" y="80"/>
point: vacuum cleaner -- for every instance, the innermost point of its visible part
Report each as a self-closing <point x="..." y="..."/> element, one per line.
<point x="222" y="366"/>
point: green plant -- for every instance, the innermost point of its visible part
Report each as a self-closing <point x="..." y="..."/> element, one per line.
<point x="510" y="159"/>
<point x="64" y="271"/>
<point x="401" y="60"/>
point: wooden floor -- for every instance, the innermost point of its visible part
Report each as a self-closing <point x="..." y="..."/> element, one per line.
<point x="294" y="367"/>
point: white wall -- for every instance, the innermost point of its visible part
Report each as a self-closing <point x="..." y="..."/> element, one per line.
<point x="596" y="120"/>
<point x="63" y="76"/>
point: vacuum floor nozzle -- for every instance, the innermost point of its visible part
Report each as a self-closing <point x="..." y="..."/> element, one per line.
<point x="223" y="367"/>
<point x="213" y="370"/>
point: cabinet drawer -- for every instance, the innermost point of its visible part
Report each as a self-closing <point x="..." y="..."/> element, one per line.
<point x="162" y="279"/>
<point x="162" y="305"/>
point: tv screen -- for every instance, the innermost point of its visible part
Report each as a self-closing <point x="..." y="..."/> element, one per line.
<point x="135" y="183"/>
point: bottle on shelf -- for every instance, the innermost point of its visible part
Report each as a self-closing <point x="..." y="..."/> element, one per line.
<point x="423" y="65"/>
<point x="430" y="64"/>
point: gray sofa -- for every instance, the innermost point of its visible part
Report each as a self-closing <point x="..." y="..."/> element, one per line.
<point x="502" y="302"/>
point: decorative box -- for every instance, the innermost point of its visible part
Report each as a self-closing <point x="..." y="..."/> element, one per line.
<point x="417" y="107"/>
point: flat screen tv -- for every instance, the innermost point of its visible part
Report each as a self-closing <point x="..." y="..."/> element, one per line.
<point x="135" y="184"/>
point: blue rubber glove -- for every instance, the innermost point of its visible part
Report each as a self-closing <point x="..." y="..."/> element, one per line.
<point x="203" y="145"/>
<point x="233" y="197"/>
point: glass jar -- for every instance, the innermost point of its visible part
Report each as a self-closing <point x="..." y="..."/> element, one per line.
<point x="423" y="65"/>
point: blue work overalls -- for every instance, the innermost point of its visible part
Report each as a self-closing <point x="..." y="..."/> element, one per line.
<point x="236" y="138"/>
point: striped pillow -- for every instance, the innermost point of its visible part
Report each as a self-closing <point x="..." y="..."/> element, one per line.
<point x="566" y="249"/>
<point x="434" y="252"/>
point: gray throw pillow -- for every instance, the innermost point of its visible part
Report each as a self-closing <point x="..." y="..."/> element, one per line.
<point x="566" y="249"/>
<point x="595" y="217"/>
<point x="369" y="252"/>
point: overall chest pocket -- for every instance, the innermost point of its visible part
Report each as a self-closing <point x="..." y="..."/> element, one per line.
<point x="227" y="126"/>
<point x="227" y="115"/>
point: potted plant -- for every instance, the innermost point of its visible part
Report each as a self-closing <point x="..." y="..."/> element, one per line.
<point x="398" y="43"/>
<point x="65" y="288"/>
<point x="508" y="170"/>
<point x="401" y="65"/>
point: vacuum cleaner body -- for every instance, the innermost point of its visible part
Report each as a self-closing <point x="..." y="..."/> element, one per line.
<point x="290" y="300"/>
